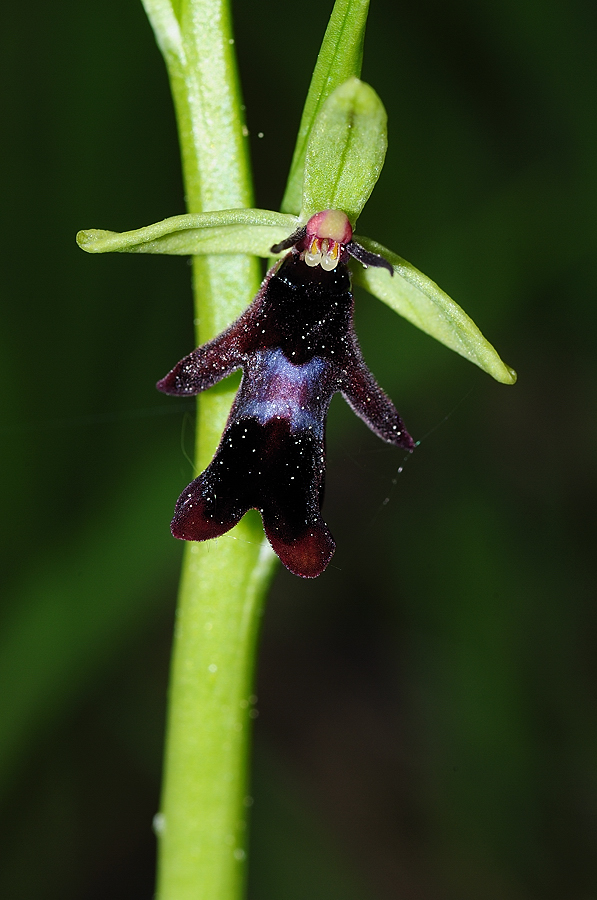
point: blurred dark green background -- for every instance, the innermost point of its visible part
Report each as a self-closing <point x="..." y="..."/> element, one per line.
<point x="428" y="725"/>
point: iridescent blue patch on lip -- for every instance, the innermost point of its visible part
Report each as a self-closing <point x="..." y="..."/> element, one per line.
<point x="276" y="388"/>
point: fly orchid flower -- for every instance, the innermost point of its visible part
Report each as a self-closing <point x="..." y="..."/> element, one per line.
<point x="297" y="347"/>
<point x="296" y="342"/>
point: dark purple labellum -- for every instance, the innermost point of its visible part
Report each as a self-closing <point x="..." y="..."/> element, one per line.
<point x="297" y="347"/>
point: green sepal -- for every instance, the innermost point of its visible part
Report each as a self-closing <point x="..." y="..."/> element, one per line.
<point x="225" y="231"/>
<point x="340" y="58"/>
<point x="346" y="151"/>
<point x="424" y="304"/>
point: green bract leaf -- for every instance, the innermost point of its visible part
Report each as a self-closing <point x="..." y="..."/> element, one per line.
<point x="340" y="58"/>
<point x="225" y="231"/>
<point x="422" y="302"/>
<point x="346" y="151"/>
<point x="163" y="16"/>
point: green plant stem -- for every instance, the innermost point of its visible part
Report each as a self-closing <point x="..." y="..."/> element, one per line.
<point x="202" y="823"/>
<point x="202" y="840"/>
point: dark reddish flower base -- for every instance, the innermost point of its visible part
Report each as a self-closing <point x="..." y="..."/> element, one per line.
<point x="268" y="468"/>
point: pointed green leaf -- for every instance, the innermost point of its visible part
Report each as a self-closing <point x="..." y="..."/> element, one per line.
<point x="422" y="302"/>
<point x="346" y="151"/>
<point x="340" y="58"/>
<point x="225" y="231"/>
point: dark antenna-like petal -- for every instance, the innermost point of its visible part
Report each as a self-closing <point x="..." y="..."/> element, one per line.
<point x="367" y="258"/>
<point x="290" y="241"/>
